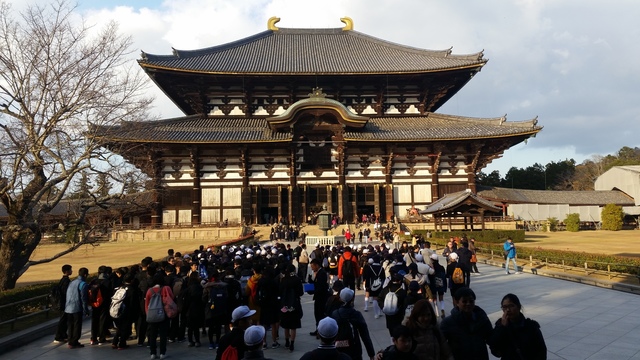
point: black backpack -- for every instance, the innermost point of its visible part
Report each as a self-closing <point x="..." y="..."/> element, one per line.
<point x="345" y="338"/>
<point x="218" y="303"/>
<point x="347" y="267"/>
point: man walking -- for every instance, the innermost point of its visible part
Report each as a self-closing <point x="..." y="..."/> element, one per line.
<point x="321" y="291"/>
<point x="510" y="254"/>
<point x="76" y="306"/>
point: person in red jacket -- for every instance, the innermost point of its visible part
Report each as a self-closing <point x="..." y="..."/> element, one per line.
<point x="348" y="272"/>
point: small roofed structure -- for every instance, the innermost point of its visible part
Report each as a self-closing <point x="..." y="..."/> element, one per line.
<point x="462" y="204"/>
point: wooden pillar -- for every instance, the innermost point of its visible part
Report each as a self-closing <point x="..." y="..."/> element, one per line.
<point x="245" y="194"/>
<point x="156" y="212"/>
<point x="257" y="213"/>
<point x="279" y="203"/>
<point x="376" y="200"/>
<point x="330" y="199"/>
<point x="294" y="198"/>
<point x="388" y="185"/>
<point x="196" y="192"/>
<point x="389" y="203"/>
<point x="343" y="192"/>
<point x="482" y="217"/>
<point x="435" y="168"/>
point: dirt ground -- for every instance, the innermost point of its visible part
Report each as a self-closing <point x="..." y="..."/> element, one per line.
<point x="92" y="256"/>
<point x="621" y="243"/>
<point x="624" y="243"/>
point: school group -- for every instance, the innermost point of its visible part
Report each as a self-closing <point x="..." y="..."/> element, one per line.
<point x="249" y="292"/>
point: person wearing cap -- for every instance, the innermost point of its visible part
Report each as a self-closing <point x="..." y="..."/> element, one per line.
<point x="453" y="264"/>
<point x="327" y="332"/>
<point x="241" y="319"/>
<point x="347" y="315"/>
<point x="373" y="276"/>
<point x="396" y="285"/>
<point x="438" y="285"/>
<point x="253" y="339"/>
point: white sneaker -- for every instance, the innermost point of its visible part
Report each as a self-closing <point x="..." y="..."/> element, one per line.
<point x="377" y="316"/>
<point x="153" y="356"/>
<point x="517" y="273"/>
<point x="162" y="356"/>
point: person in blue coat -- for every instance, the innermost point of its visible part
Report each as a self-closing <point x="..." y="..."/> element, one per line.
<point x="510" y="254"/>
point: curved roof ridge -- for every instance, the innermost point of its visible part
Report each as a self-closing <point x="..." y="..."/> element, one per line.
<point x="502" y="120"/>
<point x="445" y="53"/>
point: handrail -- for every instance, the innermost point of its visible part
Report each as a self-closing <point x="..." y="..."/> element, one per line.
<point x="24" y="301"/>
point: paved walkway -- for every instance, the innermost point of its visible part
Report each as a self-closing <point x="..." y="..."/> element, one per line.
<point x="578" y="322"/>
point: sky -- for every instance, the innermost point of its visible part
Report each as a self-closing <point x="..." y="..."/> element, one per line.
<point x="571" y="63"/>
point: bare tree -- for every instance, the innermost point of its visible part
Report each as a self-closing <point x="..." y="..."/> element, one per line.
<point x="59" y="80"/>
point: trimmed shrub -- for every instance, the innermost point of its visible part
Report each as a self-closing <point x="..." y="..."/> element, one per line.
<point x="612" y="217"/>
<point x="572" y="222"/>
<point x="489" y="236"/>
<point x="553" y="224"/>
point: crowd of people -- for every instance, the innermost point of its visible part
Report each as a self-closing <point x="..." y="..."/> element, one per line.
<point x="240" y="296"/>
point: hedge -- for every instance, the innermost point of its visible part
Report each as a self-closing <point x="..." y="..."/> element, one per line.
<point x="489" y="236"/>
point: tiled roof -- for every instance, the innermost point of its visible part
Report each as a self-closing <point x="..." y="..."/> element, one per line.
<point x="523" y="196"/>
<point x="450" y="201"/>
<point x="311" y="51"/>
<point x="201" y="129"/>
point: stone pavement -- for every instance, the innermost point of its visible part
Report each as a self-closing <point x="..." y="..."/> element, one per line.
<point x="578" y="322"/>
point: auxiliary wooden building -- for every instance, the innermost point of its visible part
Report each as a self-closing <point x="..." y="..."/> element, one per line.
<point x="282" y="122"/>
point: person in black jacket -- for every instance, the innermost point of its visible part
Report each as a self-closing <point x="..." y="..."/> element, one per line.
<point x="464" y="259"/>
<point x="467" y="329"/>
<point x="129" y="313"/>
<point x="396" y="285"/>
<point x="327" y="332"/>
<point x="241" y="318"/>
<point x="320" y="291"/>
<point x="516" y="337"/>
<point x="61" y="331"/>
<point x="357" y="322"/>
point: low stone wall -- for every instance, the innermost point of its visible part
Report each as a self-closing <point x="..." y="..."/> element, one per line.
<point x="204" y="234"/>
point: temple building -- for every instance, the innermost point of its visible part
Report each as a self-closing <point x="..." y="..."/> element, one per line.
<point x="282" y="122"/>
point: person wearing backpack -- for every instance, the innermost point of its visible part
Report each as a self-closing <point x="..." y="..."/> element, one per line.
<point x="438" y="285"/>
<point x="59" y="298"/>
<point x="348" y="268"/>
<point x="352" y="328"/>
<point x="77" y="305"/>
<point x="216" y="296"/>
<point x="464" y="259"/>
<point x="99" y="298"/>
<point x="127" y="314"/>
<point x="373" y="276"/>
<point x="455" y="275"/>
<point x="241" y="319"/>
<point x="157" y="320"/>
<point x="392" y="298"/>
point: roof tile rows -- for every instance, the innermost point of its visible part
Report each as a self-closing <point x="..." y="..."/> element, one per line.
<point x="200" y="129"/>
<point x="312" y="51"/>
<point x="556" y="197"/>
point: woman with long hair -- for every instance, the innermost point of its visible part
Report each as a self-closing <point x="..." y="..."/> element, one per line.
<point x="515" y="336"/>
<point x="428" y="341"/>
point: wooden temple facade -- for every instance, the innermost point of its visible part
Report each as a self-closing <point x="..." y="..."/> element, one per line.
<point x="282" y="122"/>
